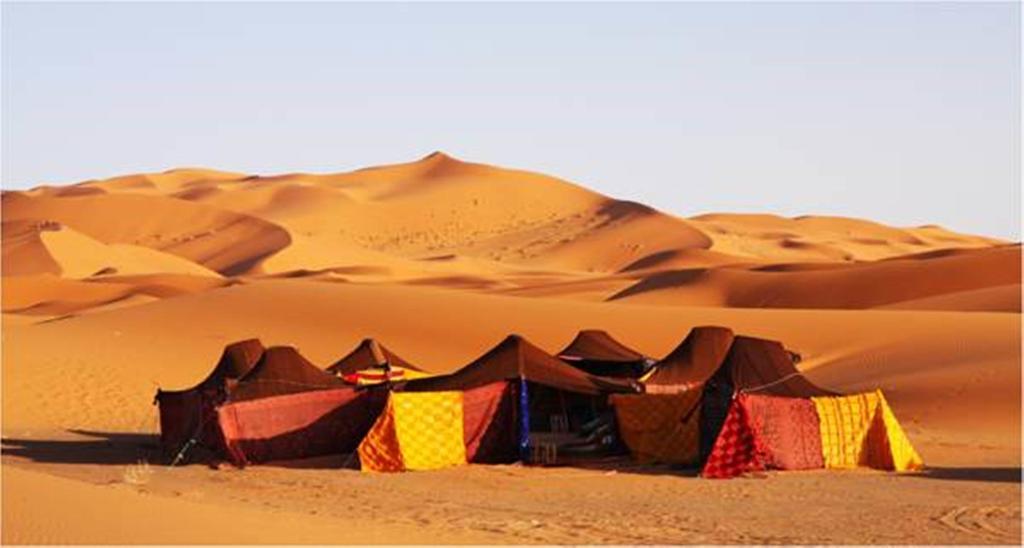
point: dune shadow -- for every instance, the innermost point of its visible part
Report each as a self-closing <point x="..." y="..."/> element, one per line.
<point x="98" y="448"/>
<point x="1010" y="474"/>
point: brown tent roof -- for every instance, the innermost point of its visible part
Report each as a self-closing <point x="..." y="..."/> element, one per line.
<point x="282" y="370"/>
<point x="761" y="366"/>
<point x="694" y="361"/>
<point x="750" y="364"/>
<point x="598" y="345"/>
<point x="369" y="353"/>
<point x="239" y="358"/>
<point x="515" y="358"/>
<point x="235" y="361"/>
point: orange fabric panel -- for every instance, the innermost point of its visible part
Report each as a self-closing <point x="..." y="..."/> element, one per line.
<point x="660" y="427"/>
<point x="380" y="450"/>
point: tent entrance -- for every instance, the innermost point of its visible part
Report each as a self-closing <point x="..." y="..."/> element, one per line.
<point x="569" y="427"/>
<point x="714" y="404"/>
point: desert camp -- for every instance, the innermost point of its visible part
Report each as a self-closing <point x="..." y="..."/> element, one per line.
<point x="511" y="273"/>
<point x="720" y="403"/>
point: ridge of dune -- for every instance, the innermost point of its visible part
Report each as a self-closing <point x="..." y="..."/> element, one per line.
<point x="999" y="298"/>
<point x="862" y="285"/>
<point x="49" y="247"/>
<point x="824" y="238"/>
<point x="49" y="295"/>
<point x="684" y="258"/>
<point x="222" y="241"/>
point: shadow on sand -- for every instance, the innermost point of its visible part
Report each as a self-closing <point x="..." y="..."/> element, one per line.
<point x="994" y="475"/>
<point x="112" y="448"/>
<point x="98" y="448"/>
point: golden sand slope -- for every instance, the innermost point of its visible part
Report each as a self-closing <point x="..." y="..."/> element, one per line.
<point x="904" y="280"/>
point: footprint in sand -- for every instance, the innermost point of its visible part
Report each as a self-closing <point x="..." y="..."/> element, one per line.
<point x="993" y="522"/>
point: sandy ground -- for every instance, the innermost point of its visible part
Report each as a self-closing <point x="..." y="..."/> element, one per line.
<point x="112" y="288"/>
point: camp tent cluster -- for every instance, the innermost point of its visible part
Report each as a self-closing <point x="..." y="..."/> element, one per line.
<point x="724" y="403"/>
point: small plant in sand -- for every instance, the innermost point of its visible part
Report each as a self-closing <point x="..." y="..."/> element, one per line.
<point x="138" y="473"/>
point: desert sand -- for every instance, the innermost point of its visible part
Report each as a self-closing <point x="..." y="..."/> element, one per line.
<point x="114" y="287"/>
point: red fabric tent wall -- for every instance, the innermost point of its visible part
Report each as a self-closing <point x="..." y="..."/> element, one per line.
<point x="765" y="432"/>
<point x="489" y="423"/>
<point x="305" y="424"/>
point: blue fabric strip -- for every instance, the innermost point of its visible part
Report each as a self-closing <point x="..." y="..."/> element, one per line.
<point x="524" y="421"/>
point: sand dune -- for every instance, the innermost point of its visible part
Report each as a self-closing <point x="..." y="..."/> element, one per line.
<point x="811" y="238"/>
<point x="1000" y="298"/>
<point x="865" y="285"/>
<point x="31" y="247"/>
<point x="379" y="218"/>
<point x="219" y="240"/>
<point x="114" y="287"/>
<point x="47" y="295"/>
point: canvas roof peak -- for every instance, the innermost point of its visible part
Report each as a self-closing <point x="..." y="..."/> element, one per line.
<point x="237" y="359"/>
<point x="369" y="353"/>
<point x="282" y="370"/>
<point x="599" y="345"/>
<point x="749" y="364"/>
<point x="516" y="357"/>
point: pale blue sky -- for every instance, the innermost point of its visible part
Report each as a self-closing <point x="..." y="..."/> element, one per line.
<point x="903" y="113"/>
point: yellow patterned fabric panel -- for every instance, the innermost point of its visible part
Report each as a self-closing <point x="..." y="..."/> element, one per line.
<point x="660" y="427"/>
<point x="429" y="429"/>
<point x="861" y="430"/>
<point x="379" y="451"/>
<point x="844" y="423"/>
<point x="903" y="455"/>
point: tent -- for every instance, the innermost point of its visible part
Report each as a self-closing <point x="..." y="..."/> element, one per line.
<point x="287" y="408"/>
<point x="558" y="403"/>
<point x="769" y="432"/>
<point x="595" y="351"/>
<point x="430" y="430"/>
<point x="370" y="354"/>
<point x="560" y="397"/>
<point x="749" y="364"/>
<point x="282" y="407"/>
<point x="719" y="364"/>
<point x="751" y="409"/>
<point x="298" y="425"/>
<point x="183" y="412"/>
